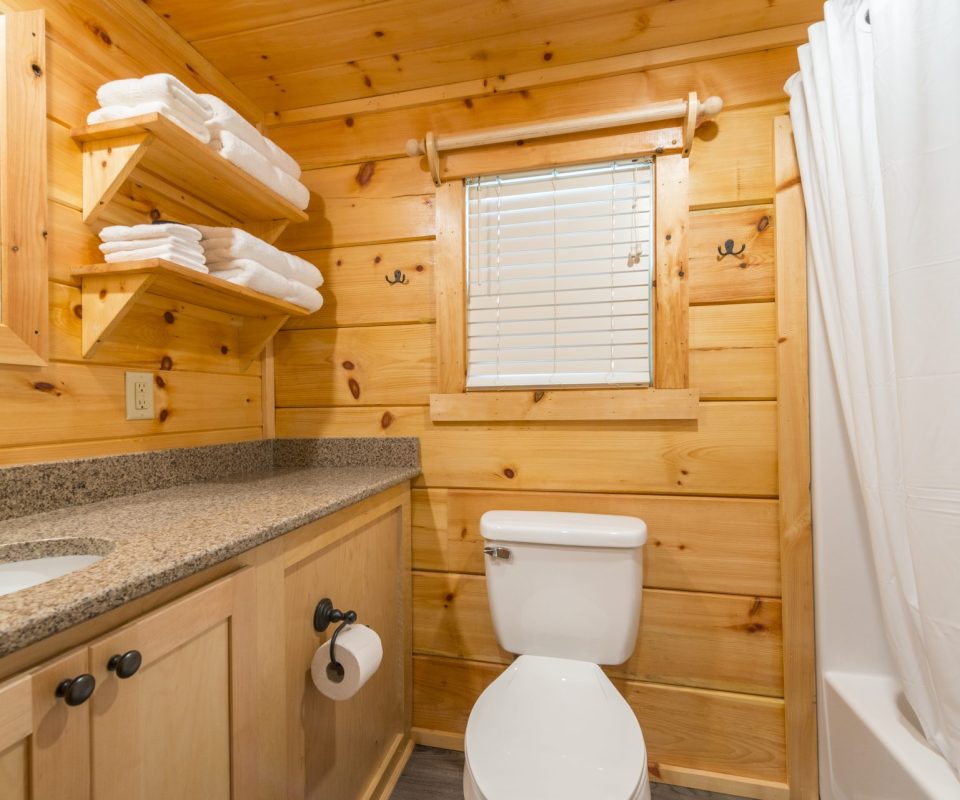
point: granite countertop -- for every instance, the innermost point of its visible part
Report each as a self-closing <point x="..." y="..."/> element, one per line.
<point x="153" y="538"/>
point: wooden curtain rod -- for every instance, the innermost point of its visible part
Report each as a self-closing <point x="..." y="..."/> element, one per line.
<point x="691" y="110"/>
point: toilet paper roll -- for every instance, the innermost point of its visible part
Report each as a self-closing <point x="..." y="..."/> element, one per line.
<point x="359" y="653"/>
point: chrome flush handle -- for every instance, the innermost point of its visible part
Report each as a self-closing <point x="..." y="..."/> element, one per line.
<point x="497" y="552"/>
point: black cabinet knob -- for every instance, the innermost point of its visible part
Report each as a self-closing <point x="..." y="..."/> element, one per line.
<point x="76" y="691"/>
<point x="126" y="664"/>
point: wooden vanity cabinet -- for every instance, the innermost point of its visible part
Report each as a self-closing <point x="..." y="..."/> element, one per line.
<point x="174" y="710"/>
<point x="181" y="724"/>
<point x="203" y="688"/>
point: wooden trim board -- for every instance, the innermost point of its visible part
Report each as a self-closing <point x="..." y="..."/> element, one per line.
<point x="793" y="446"/>
<point x="24" y="302"/>
<point x="566" y="405"/>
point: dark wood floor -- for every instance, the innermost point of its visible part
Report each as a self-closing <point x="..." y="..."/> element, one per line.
<point x="433" y="774"/>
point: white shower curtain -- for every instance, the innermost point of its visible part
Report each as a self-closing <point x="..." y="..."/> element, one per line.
<point x="876" y="114"/>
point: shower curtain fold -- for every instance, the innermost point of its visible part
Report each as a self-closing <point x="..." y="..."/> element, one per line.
<point x="879" y="149"/>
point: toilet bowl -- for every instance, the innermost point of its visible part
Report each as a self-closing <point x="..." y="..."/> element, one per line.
<point x="554" y="729"/>
<point x="565" y="592"/>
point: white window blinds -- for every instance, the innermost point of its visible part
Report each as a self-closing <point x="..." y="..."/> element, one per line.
<point x="558" y="276"/>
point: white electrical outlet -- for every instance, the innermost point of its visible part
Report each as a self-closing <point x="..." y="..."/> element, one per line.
<point x="139" y="387"/>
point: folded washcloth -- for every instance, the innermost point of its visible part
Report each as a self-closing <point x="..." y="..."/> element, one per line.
<point x="177" y="114"/>
<point x="260" y="279"/>
<point x="226" y="119"/>
<point x="166" y="252"/>
<point x="222" y="246"/>
<point x="163" y="230"/>
<point x="150" y="88"/>
<point x="190" y="250"/>
<point x="238" y="152"/>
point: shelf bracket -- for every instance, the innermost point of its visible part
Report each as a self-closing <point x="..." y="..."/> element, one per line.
<point x="255" y="332"/>
<point x="268" y="230"/>
<point x="106" y="165"/>
<point x="105" y="301"/>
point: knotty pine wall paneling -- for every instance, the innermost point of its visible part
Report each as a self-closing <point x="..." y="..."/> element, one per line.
<point x="707" y="677"/>
<point x="75" y="407"/>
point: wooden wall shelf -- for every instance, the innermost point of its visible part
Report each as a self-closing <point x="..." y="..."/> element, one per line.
<point x="148" y="163"/>
<point x="566" y="405"/>
<point x="109" y="291"/>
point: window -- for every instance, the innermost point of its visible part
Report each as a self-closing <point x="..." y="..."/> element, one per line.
<point x="558" y="274"/>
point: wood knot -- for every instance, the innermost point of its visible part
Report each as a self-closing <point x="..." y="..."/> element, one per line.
<point x="348" y="365"/>
<point x="224" y="349"/>
<point x="163" y="415"/>
<point x="386" y="420"/>
<point x="166" y="363"/>
<point x="354" y="388"/>
<point x="419" y="268"/>
<point x="509" y="473"/>
<point x="547" y="56"/>
<point x="756" y="607"/>
<point x="763" y="224"/>
<point x="365" y="173"/>
<point x="103" y="294"/>
<point x="43" y="386"/>
<point x="468" y="102"/>
<point x="36" y="70"/>
<point x="169" y="318"/>
<point x="377" y="259"/>
<point x="348" y="122"/>
<point x="78" y="311"/>
<point x="538" y="395"/>
<point x="653" y="768"/>
<point x="160" y="382"/>
<point x="449" y="597"/>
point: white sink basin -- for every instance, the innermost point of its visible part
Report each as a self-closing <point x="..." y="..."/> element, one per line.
<point x="24" y="574"/>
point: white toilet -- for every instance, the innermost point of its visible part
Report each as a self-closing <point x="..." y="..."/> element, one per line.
<point x="565" y="593"/>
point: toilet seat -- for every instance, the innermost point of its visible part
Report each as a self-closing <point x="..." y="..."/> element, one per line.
<point x="554" y="729"/>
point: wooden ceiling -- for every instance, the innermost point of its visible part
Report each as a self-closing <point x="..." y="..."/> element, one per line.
<point x="286" y="54"/>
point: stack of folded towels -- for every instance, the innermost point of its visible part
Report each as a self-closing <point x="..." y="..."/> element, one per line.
<point x="243" y="259"/>
<point x="210" y="120"/>
<point x="159" y="93"/>
<point x="169" y="241"/>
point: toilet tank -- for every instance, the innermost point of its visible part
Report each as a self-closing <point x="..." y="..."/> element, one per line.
<point x="565" y="585"/>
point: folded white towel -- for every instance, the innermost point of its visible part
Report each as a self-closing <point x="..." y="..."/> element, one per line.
<point x="189" y="250"/>
<point x="166" y="252"/>
<point x="221" y="246"/>
<point x="257" y="277"/>
<point x="226" y="119"/>
<point x="238" y="152"/>
<point x="160" y="86"/>
<point x="177" y="114"/>
<point x="162" y="230"/>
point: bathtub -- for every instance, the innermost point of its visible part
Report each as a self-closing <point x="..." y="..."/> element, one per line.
<point x="874" y="748"/>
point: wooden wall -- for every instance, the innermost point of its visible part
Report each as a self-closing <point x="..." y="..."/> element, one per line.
<point x="74" y="407"/>
<point x="706" y="679"/>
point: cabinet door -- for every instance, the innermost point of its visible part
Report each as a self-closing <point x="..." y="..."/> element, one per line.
<point x="337" y="750"/>
<point x="44" y="742"/>
<point x="173" y="715"/>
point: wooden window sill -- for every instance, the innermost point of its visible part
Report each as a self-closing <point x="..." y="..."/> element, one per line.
<point x="566" y="405"/>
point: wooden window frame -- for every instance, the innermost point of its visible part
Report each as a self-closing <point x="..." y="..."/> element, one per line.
<point x="670" y="396"/>
<point x="24" y="309"/>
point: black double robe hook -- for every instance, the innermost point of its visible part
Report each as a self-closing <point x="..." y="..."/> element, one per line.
<point x="729" y="251"/>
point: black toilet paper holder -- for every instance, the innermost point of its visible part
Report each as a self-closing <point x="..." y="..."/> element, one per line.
<point x="323" y="615"/>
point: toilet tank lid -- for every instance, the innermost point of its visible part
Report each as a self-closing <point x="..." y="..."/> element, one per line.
<point x="563" y="528"/>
